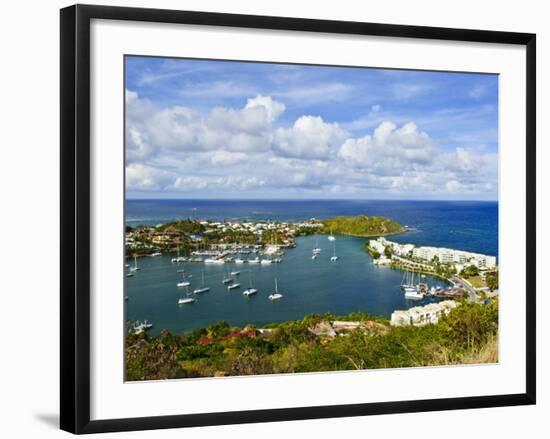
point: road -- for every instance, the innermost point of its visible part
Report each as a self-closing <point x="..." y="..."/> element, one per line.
<point x="472" y="296"/>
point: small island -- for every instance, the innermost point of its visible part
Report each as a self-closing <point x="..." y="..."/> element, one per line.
<point x="362" y="226"/>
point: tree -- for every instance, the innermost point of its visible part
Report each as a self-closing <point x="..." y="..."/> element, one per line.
<point x="469" y="271"/>
<point x="388" y="251"/>
<point x="492" y="280"/>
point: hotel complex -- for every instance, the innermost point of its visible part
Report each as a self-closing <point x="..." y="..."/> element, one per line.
<point x="444" y="255"/>
<point x="422" y="315"/>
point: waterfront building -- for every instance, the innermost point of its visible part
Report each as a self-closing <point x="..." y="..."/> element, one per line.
<point x="444" y="255"/>
<point x="451" y="256"/>
<point x="422" y="315"/>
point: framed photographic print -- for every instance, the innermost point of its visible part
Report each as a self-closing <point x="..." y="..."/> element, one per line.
<point x="268" y="218"/>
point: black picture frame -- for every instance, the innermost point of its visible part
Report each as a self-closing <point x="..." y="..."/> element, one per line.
<point x="75" y="217"/>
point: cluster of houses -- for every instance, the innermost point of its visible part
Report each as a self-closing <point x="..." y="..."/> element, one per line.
<point x="245" y="227"/>
<point x="422" y="315"/>
<point x="149" y="237"/>
<point x="458" y="258"/>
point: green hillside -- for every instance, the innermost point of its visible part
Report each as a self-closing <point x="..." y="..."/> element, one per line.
<point x="362" y="225"/>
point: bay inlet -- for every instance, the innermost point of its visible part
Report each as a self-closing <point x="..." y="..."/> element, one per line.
<point x="309" y="286"/>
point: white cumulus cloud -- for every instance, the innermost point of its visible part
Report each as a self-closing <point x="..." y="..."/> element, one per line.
<point x="309" y="138"/>
<point x="390" y="149"/>
<point x="273" y="108"/>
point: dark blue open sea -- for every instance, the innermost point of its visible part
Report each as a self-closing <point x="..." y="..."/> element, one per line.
<point x="351" y="284"/>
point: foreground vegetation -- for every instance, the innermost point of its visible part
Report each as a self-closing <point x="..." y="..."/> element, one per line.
<point x="467" y="335"/>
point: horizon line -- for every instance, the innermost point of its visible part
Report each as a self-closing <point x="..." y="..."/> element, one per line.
<point x="306" y="199"/>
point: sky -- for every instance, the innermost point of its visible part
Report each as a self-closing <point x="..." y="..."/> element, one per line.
<point x="228" y="129"/>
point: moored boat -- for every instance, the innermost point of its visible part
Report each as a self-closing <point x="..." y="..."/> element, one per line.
<point x="202" y="289"/>
<point x="276" y="295"/>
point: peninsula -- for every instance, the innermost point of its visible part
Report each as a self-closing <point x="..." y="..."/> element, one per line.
<point x="188" y="235"/>
<point x="362" y="225"/>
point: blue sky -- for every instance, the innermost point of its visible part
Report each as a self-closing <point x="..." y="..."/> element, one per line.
<point x="225" y="129"/>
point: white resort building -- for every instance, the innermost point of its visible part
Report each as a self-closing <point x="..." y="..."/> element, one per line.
<point x="444" y="255"/>
<point x="422" y="315"/>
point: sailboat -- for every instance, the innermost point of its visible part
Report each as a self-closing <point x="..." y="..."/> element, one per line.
<point x="202" y="289"/>
<point x="183" y="282"/>
<point x="226" y="279"/>
<point x="411" y="291"/>
<point x="407" y="281"/>
<point x="186" y="300"/>
<point x="174" y="260"/>
<point x="413" y="294"/>
<point x="334" y="258"/>
<point x="135" y="267"/>
<point x="276" y="295"/>
<point x="316" y="250"/>
<point x="233" y="286"/>
<point x="250" y="291"/>
<point x="235" y="273"/>
<point x="331" y="236"/>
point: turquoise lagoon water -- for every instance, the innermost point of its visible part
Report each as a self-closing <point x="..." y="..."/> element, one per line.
<point x="309" y="286"/>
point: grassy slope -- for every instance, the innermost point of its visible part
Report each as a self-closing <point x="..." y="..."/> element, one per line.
<point x="469" y="335"/>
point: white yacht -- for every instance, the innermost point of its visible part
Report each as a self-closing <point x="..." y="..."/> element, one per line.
<point x="176" y="259"/>
<point x="135" y="267"/>
<point x="407" y="280"/>
<point x="254" y="261"/>
<point x="186" y="300"/>
<point x="239" y="261"/>
<point x="266" y="261"/>
<point x="183" y="282"/>
<point x="334" y="258"/>
<point x="250" y="291"/>
<point x="413" y="294"/>
<point x="276" y="295"/>
<point x="202" y="289"/>
<point x="316" y="250"/>
<point x="139" y="327"/>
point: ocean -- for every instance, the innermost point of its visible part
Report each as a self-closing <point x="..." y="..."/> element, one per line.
<point x="465" y="225"/>
<point x="309" y="286"/>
